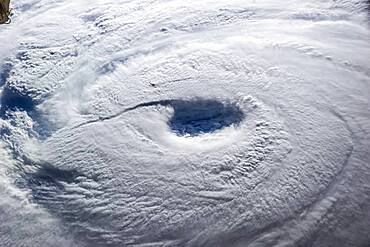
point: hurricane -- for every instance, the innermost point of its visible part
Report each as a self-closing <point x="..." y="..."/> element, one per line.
<point x="185" y="123"/>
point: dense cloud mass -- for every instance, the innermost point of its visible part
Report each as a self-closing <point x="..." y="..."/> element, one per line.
<point x="185" y="123"/>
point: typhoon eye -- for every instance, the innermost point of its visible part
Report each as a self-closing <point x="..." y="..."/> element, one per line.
<point x="199" y="116"/>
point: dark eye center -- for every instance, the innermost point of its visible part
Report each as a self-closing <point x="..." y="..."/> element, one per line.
<point x="203" y="116"/>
